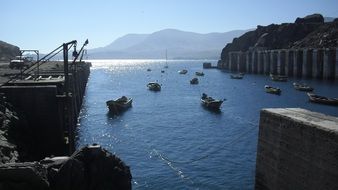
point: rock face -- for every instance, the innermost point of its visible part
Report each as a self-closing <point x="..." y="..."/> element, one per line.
<point x="315" y="18"/>
<point x="8" y="51"/>
<point x="8" y="120"/>
<point x="310" y="32"/>
<point x="90" y="168"/>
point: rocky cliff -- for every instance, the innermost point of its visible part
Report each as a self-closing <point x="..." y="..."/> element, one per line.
<point x="8" y="51"/>
<point x="310" y="31"/>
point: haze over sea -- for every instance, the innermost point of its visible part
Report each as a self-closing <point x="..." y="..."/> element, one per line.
<point x="167" y="138"/>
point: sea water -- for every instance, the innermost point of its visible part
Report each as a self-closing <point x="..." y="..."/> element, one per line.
<point x="167" y="138"/>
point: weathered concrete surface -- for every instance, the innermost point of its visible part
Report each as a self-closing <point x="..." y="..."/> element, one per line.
<point x="297" y="149"/>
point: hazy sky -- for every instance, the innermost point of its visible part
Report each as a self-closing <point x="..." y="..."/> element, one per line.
<point x="46" y="24"/>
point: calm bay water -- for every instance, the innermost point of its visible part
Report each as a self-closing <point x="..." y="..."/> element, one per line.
<point x="167" y="138"/>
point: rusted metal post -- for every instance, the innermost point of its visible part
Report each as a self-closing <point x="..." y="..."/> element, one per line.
<point x="67" y="110"/>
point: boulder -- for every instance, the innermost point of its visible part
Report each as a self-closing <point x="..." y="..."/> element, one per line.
<point x="314" y="18"/>
<point x="92" y="168"/>
<point x="27" y="175"/>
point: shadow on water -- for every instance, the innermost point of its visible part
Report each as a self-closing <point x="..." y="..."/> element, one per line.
<point x="213" y="111"/>
<point x="111" y="115"/>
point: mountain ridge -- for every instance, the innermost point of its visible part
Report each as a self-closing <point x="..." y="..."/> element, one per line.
<point x="178" y="43"/>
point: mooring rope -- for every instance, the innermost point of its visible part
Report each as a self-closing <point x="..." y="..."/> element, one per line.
<point x="163" y="157"/>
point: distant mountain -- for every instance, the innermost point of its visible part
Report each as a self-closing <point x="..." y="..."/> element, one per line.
<point x="328" y="19"/>
<point x="122" y="43"/>
<point x="179" y="45"/>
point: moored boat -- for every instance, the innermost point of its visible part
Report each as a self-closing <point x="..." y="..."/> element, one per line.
<point x="322" y="99"/>
<point x="302" y="87"/>
<point x="210" y="103"/>
<point x="272" y="90"/>
<point x="194" y="81"/>
<point x="279" y="78"/>
<point x="119" y="105"/>
<point x="238" y="76"/>
<point x="199" y="73"/>
<point x="183" y="71"/>
<point x="154" y="86"/>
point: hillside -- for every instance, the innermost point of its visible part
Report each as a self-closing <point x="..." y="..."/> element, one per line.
<point x="310" y="31"/>
<point x="8" y="51"/>
<point x="179" y="45"/>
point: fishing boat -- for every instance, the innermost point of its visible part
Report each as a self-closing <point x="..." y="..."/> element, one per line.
<point x="119" y="105"/>
<point x="302" y="87"/>
<point x="322" y="99"/>
<point x="154" y="86"/>
<point x="194" y="81"/>
<point x="210" y="103"/>
<point x="272" y="90"/>
<point x="279" y="78"/>
<point x="199" y="73"/>
<point x="183" y="71"/>
<point x="238" y="76"/>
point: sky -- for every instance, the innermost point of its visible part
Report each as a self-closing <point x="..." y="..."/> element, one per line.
<point x="46" y="24"/>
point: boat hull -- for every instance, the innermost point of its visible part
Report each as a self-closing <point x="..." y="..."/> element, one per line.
<point x="279" y="78"/>
<point x="118" y="107"/>
<point x="302" y="87"/>
<point x="272" y="90"/>
<point x="322" y="100"/>
<point x="214" y="105"/>
<point x="154" y="86"/>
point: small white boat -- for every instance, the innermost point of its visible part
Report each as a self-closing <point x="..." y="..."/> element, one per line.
<point x="183" y="71"/>
<point x="154" y="86"/>
<point x="238" y="76"/>
<point x="279" y="78"/>
<point x="272" y="90"/>
<point x="199" y="73"/>
<point x="302" y="87"/>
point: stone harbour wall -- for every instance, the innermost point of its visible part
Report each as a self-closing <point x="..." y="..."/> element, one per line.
<point x="301" y="63"/>
<point x="297" y="149"/>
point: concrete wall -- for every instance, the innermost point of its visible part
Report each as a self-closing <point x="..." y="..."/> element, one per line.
<point x="297" y="149"/>
<point x="301" y="63"/>
<point x="40" y="108"/>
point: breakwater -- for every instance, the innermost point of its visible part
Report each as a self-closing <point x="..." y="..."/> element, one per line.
<point x="301" y="63"/>
<point x="297" y="149"/>
<point x="47" y="110"/>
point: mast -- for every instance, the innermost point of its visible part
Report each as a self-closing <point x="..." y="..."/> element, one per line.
<point x="166" y="58"/>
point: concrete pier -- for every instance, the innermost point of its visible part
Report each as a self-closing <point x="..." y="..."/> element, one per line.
<point x="301" y="63"/>
<point x="48" y="113"/>
<point x="307" y="63"/>
<point x="289" y="62"/>
<point x="297" y="149"/>
<point x="260" y="62"/>
<point x="249" y="62"/>
<point x="281" y="62"/>
<point x="267" y="64"/>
